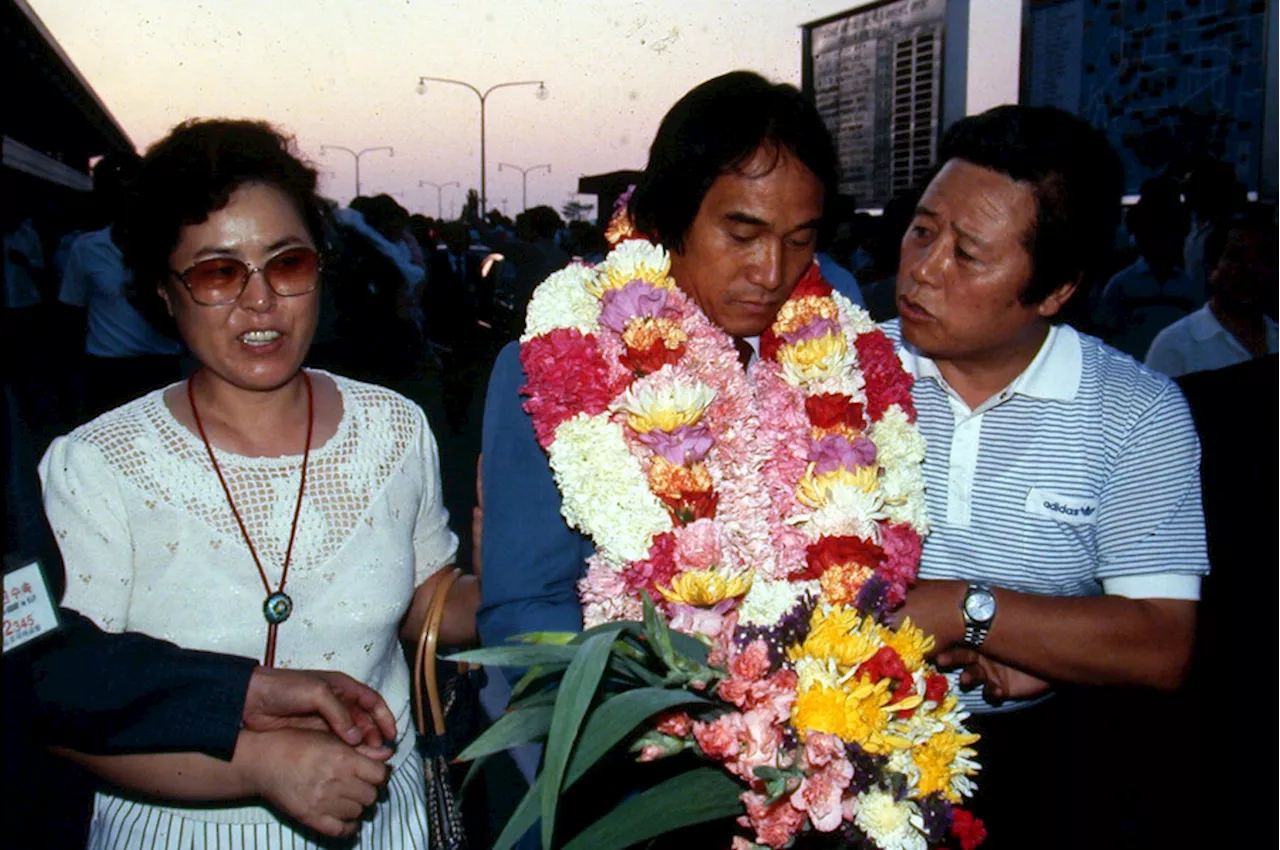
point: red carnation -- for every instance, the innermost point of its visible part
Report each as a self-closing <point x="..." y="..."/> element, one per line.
<point x="770" y="342"/>
<point x="888" y="664"/>
<point x="658" y="569"/>
<point x="935" y="687"/>
<point x="649" y="360"/>
<point x="969" y="829"/>
<point x="811" y="283"/>
<point x="691" y="506"/>
<point x="829" y="410"/>
<point x="567" y="375"/>
<point x="830" y="551"/>
<point x="887" y="383"/>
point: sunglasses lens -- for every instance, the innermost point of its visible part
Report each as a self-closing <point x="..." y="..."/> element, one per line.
<point x="215" y="281"/>
<point x="293" y="272"/>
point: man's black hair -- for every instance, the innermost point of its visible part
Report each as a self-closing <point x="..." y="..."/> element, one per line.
<point x="716" y="129"/>
<point x="1075" y="176"/>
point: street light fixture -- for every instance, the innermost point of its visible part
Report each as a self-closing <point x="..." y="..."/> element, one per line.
<point x="356" y="156"/>
<point x="541" y="94"/>
<point x="524" y="179"/>
<point x="439" y="193"/>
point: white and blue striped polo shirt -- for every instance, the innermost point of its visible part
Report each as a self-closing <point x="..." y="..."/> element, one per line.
<point x="1081" y="477"/>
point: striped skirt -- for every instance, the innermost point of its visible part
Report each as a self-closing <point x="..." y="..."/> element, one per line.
<point x="397" y="822"/>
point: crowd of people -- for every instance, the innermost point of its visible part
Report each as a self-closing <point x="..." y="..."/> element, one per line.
<point x="237" y="463"/>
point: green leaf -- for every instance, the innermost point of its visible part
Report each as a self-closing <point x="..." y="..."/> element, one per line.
<point x="626" y="667"/>
<point x="688" y="646"/>
<point x="700" y="795"/>
<point x="517" y="655"/>
<point x="534" y="700"/>
<point x="617" y="717"/>
<point x="522" y="818"/>
<point x="553" y="638"/>
<point x="512" y="729"/>
<point x="577" y="690"/>
<point x="607" y="628"/>
<point x="541" y="674"/>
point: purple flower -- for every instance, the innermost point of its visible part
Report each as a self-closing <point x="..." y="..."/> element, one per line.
<point x="937" y="818"/>
<point x="834" y="451"/>
<point x="788" y="631"/>
<point x="685" y="445"/>
<point x="820" y="326"/>
<point x="873" y="598"/>
<point x="638" y="298"/>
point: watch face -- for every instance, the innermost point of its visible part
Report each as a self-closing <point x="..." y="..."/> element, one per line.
<point x="980" y="605"/>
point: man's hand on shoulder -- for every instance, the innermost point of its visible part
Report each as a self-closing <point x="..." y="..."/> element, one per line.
<point x="317" y="700"/>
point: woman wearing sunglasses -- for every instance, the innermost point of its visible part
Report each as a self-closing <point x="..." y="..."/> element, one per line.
<point x="258" y="508"/>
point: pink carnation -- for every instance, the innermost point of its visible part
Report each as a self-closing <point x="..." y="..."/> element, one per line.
<point x="901" y="546"/>
<point x="677" y="724"/>
<point x="721" y="738"/>
<point x="760" y="741"/>
<point x="698" y="545"/>
<point x="775" y="824"/>
<point x="820" y="794"/>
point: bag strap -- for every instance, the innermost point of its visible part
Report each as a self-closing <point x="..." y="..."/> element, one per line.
<point x="424" y="661"/>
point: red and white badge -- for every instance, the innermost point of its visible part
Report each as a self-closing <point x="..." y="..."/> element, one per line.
<point x="28" y="606"/>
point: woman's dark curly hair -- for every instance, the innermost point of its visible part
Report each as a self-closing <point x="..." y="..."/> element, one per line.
<point x="193" y="172"/>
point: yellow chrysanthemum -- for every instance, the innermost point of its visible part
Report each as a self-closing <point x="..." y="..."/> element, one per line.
<point x="704" y="588"/>
<point x="858" y="714"/>
<point x="672" y="479"/>
<point x="867" y="716"/>
<point x="643" y="332"/>
<point x="936" y="759"/>
<point x="910" y="642"/>
<point x="666" y="407"/>
<point x="815" y="490"/>
<point x="798" y="312"/>
<point x="634" y="259"/>
<point x="811" y="359"/>
<point x="840" y="633"/>
<point x="819" y="709"/>
<point x="842" y="582"/>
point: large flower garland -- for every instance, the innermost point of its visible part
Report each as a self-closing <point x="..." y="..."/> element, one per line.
<point x="777" y="512"/>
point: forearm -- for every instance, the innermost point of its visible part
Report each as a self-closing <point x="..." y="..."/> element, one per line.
<point x="1090" y="640"/>
<point x="184" y="777"/>
<point x="458" y="628"/>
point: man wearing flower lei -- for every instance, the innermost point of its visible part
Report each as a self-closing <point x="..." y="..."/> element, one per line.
<point x="1067" y="541"/>
<point x="699" y="422"/>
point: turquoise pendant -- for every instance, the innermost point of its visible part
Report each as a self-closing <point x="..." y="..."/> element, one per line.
<point x="277" y="608"/>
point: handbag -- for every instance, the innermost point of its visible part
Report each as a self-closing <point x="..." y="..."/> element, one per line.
<point x="449" y="694"/>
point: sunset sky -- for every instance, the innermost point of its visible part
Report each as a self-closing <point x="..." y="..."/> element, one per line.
<point x="342" y="72"/>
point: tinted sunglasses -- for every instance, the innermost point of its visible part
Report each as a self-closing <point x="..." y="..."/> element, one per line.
<point x="218" y="281"/>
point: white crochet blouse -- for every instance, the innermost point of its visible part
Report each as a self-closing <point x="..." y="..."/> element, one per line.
<point x="150" y="544"/>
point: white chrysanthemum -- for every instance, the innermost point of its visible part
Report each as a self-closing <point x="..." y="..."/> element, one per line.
<point x="665" y="404"/>
<point x="912" y="511"/>
<point x="898" y="442"/>
<point x="856" y="320"/>
<point x="810" y="361"/>
<point x="890" y="824"/>
<point x="605" y="494"/>
<point x="769" y="601"/>
<point x="848" y="511"/>
<point x="563" y="300"/>
<point x="632" y="260"/>
<point x="812" y="671"/>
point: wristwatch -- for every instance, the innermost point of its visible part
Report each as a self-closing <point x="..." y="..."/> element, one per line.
<point x="979" y="611"/>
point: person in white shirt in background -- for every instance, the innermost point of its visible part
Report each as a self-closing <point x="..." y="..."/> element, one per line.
<point x="1233" y="326"/>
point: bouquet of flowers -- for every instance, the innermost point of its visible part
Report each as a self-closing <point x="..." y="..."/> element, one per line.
<point x="753" y="529"/>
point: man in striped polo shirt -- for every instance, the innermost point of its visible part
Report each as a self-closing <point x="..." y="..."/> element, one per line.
<point x="1067" y="538"/>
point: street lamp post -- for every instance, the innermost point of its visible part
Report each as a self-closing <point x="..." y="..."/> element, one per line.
<point x="439" y="193"/>
<point x="524" y="179"/>
<point x="356" y="156"/>
<point x="483" y="96"/>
